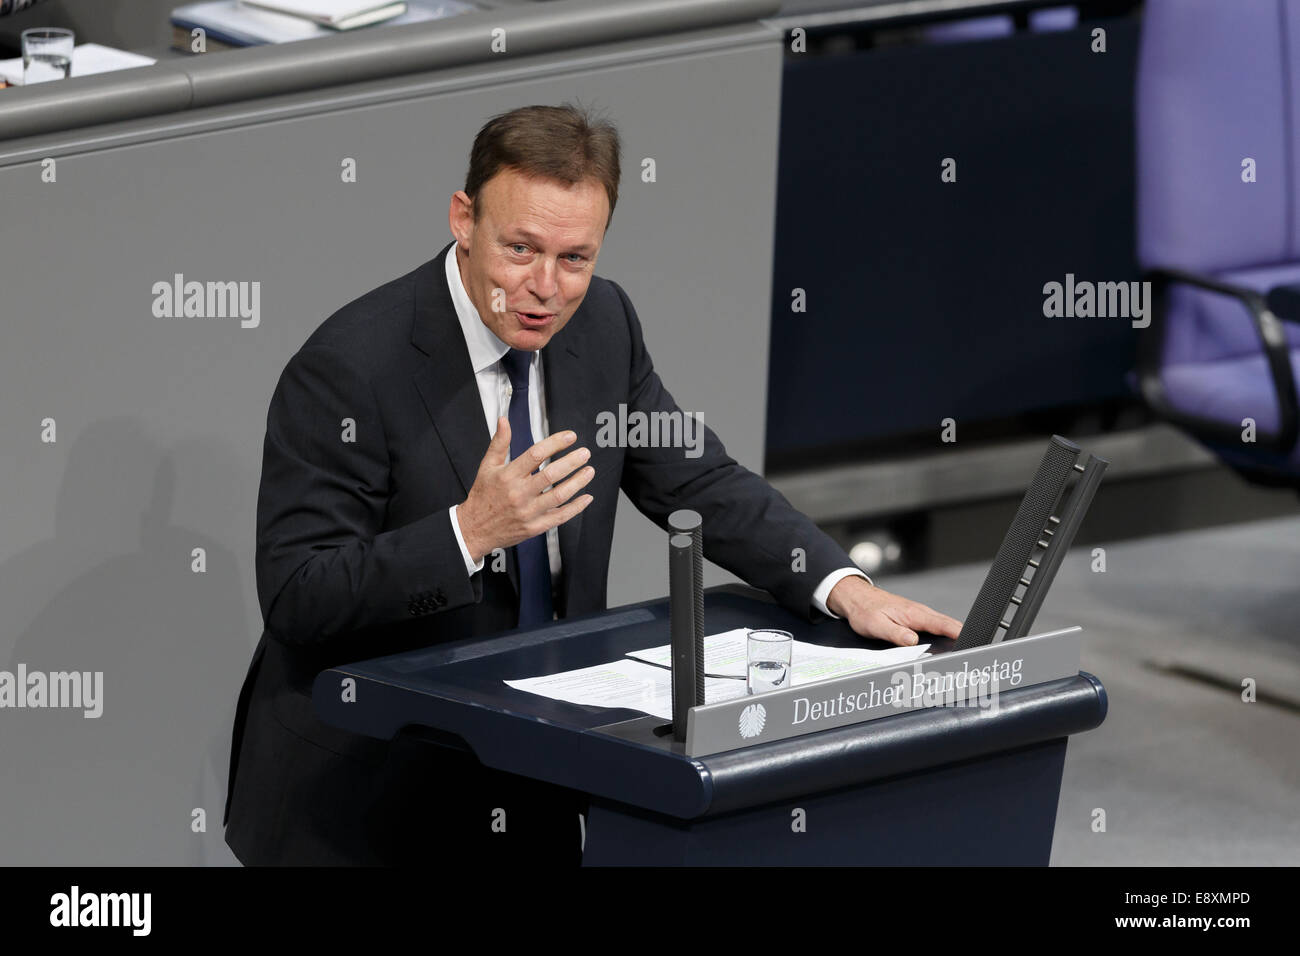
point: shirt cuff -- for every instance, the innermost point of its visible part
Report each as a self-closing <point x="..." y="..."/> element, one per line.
<point x="470" y="567"/>
<point x="824" y="589"/>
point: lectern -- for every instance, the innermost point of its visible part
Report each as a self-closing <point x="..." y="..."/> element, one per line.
<point x="892" y="779"/>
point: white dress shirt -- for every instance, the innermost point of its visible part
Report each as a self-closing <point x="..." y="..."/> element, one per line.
<point x="485" y="353"/>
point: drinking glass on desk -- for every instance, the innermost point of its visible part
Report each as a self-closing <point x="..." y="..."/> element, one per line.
<point x="768" y="652"/>
<point x="47" y="54"/>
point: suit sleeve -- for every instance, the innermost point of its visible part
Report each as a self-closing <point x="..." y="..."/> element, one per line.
<point x="749" y="527"/>
<point x="14" y="6"/>
<point x="324" y="566"/>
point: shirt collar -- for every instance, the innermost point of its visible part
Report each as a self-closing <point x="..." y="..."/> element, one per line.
<point x="484" y="347"/>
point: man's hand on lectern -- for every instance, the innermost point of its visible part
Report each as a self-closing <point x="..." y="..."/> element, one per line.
<point x="509" y="503"/>
<point x="875" y="612"/>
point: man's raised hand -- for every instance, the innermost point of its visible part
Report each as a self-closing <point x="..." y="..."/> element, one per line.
<point x="509" y="503"/>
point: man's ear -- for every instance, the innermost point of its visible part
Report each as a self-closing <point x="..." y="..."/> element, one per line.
<point x="456" y="208"/>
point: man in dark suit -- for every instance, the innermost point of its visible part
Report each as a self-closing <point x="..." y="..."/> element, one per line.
<point x="443" y="424"/>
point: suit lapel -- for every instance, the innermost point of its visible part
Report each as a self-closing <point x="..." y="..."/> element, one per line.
<point x="446" y="382"/>
<point x="568" y="397"/>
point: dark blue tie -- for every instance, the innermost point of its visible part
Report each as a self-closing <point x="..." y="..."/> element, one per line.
<point x="534" y="564"/>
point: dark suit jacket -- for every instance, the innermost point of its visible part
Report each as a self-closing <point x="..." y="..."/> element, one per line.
<point x="356" y="558"/>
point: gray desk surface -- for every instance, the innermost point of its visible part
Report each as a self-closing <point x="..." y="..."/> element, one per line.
<point x="825" y="13"/>
<point x="561" y="27"/>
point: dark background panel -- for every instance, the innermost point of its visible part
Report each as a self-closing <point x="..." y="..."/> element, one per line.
<point x="925" y="298"/>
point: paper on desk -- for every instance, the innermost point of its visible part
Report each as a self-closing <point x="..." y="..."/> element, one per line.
<point x="87" y="58"/>
<point x="645" y="684"/>
<point x="725" y="656"/>
<point x="623" y="683"/>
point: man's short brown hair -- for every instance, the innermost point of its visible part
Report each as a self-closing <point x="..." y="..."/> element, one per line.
<point x="564" y="143"/>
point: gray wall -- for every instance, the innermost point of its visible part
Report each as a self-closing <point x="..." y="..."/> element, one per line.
<point x="160" y="421"/>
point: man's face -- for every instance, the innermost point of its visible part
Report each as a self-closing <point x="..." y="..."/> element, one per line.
<point x="532" y="253"/>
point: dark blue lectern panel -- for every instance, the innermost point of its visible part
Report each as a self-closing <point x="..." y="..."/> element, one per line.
<point x="998" y="810"/>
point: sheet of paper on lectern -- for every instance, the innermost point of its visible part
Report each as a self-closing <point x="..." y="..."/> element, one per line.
<point x="725" y="656"/>
<point x="643" y="681"/>
<point x="623" y="683"/>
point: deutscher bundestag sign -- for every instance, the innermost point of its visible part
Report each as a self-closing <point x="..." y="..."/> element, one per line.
<point x="971" y="678"/>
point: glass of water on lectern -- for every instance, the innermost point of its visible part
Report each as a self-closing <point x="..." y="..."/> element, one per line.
<point x="769" y="653"/>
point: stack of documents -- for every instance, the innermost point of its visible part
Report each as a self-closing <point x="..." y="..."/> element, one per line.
<point x="644" y="682"/>
<point x="336" y="14"/>
<point x="229" y="24"/>
<point x="87" y="58"/>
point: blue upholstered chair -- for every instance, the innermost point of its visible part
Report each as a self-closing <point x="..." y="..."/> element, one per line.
<point x="1218" y="105"/>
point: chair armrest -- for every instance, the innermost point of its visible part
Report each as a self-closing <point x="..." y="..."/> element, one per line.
<point x="1272" y="337"/>
<point x="1284" y="302"/>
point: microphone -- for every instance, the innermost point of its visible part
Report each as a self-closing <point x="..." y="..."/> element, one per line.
<point x="686" y="608"/>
